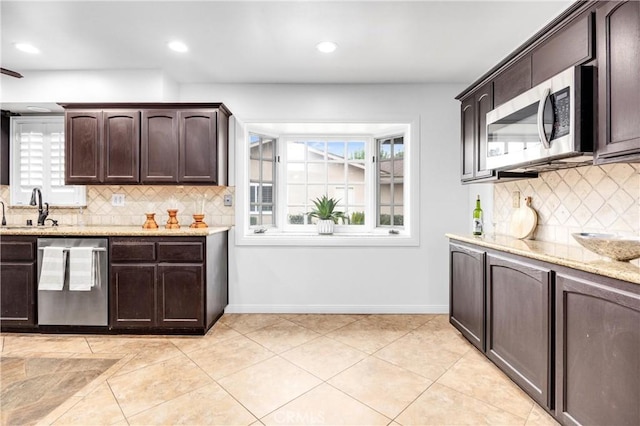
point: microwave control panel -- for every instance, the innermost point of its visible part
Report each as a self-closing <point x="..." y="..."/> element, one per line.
<point x="561" y="102"/>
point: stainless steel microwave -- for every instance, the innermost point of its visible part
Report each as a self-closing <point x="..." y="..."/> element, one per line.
<point x="549" y="126"/>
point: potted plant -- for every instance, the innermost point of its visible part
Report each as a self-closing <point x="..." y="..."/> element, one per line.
<point x="326" y="214"/>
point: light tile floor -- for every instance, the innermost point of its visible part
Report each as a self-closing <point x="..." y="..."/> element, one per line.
<point x="253" y="369"/>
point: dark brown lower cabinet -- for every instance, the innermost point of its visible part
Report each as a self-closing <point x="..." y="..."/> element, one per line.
<point x="467" y="290"/>
<point x="133" y="295"/>
<point x="167" y="283"/>
<point x="518" y="323"/>
<point x="597" y="351"/>
<point x="18" y="282"/>
<point x="180" y="295"/>
<point x="568" y="338"/>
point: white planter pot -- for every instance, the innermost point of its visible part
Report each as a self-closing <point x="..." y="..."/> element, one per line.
<point x="325" y="227"/>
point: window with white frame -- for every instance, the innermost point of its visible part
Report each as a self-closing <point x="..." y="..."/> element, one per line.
<point x="390" y="179"/>
<point x="261" y="178"/>
<point x="365" y="173"/>
<point x="334" y="167"/>
<point x="37" y="161"/>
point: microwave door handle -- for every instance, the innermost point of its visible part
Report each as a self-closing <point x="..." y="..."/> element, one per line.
<point x="541" y="132"/>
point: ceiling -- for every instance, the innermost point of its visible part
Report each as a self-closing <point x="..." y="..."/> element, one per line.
<point x="273" y="42"/>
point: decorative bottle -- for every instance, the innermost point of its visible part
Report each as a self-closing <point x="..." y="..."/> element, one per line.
<point x="477" y="218"/>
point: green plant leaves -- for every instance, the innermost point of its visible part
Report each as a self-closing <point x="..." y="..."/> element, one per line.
<point x="325" y="209"/>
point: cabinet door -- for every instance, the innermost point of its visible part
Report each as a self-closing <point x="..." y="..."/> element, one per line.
<point x="133" y="295"/>
<point x="181" y="295"/>
<point x="121" y="146"/>
<point x="198" y="147"/>
<point x="598" y="353"/>
<point x="467" y="292"/>
<point x="512" y="81"/>
<point x="83" y="147"/>
<point x="484" y="104"/>
<point x="518" y="325"/>
<point x="618" y="39"/>
<point x="17" y="289"/>
<point x="160" y="155"/>
<point x="573" y="45"/>
<point x="468" y="138"/>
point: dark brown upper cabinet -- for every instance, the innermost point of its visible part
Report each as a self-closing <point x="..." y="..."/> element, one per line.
<point x="146" y="143"/>
<point x="160" y="151"/>
<point x="198" y="146"/>
<point x="513" y="81"/>
<point x="121" y="146"/>
<point x="618" y="44"/>
<point x="573" y="45"/>
<point x="102" y="147"/>
<point x="474" y="133"/>
<point x="468" y="138"/>
<point x="83" y="147"/>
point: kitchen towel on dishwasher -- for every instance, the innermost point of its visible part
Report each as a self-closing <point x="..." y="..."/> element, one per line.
<point x="52" y="272"/>
<point x="81" y="269"/>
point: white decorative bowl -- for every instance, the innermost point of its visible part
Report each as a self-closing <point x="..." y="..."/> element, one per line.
<point x="612" y="246"/>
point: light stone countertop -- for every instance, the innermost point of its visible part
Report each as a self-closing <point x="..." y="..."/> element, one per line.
<point x="110" y="231"/>
<point x="575" y="257"/>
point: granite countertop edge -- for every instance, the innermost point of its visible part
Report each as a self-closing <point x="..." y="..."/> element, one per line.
<point x="556" y="253"/>
<point x="108" y="231"/>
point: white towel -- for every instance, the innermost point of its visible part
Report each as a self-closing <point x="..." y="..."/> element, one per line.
<point x="52" y="273"/>
<point x="82" y="269"/>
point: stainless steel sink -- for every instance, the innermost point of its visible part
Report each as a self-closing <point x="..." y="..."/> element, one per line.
<point x="610" y="245"/>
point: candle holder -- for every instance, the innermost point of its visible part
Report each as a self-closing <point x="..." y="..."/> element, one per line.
<point x="172" y="223"/>
<point x="150" y="223"/>
<point x="197" y="221"/>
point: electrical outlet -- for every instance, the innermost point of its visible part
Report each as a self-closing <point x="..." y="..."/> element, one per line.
<point x="228" y="200"/>
<point x="515" y="199"/>
<point x="117" y="200"/>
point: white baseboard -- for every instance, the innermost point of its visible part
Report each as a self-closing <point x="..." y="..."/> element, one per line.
<point x="337" y="309"/>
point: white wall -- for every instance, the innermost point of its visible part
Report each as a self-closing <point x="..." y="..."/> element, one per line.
<point x="89" y="86"/>
<point x="316" y="279"/>
<point x="349" y="279"/>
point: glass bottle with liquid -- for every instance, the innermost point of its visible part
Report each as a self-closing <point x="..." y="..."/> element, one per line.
<point x="477" y="218"/>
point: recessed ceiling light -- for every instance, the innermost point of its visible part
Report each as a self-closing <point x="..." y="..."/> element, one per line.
<point x="178" y="46"/>
<point x="326" y="46"/>
<point x="26" y="47"/>
<point x="38" y="109"/>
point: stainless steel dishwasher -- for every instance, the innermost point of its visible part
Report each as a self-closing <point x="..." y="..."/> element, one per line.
<point x="68" y="307"/>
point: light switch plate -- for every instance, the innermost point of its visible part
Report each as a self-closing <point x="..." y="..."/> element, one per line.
<point x="117" y="200"/>
<point x="515" y="199"/>
<point x="228" y="200"/>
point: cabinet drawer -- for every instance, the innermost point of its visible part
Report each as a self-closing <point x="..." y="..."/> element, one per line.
<point x="17" y="250"/>
<point x="182" y="251"/>
<point x="133" y="251"/>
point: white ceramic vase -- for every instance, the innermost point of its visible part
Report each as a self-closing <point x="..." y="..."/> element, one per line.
<point x="325" y="227"/>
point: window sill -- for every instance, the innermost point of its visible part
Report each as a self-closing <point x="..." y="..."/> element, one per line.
<point x="342" y="239"/>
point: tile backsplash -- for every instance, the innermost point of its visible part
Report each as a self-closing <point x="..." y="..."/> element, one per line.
<point x="138" y="201"/>
<point x="584" y="199"/>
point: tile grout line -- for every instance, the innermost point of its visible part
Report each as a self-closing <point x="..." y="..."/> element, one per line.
<point x="497" y="371"/>
<point x="361" y="402"/>
<point x="484" y="402"/>
<point x="115" y="398"/>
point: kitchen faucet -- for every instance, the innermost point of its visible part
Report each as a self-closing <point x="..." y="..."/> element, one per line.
<point x="4" y="219"/>
<point x="42" y="214"/>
